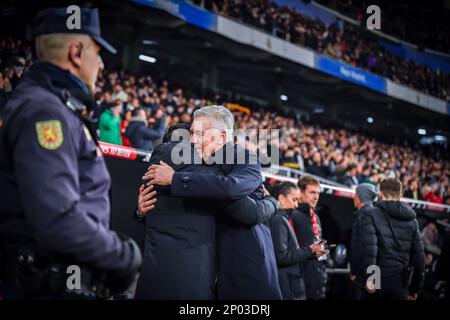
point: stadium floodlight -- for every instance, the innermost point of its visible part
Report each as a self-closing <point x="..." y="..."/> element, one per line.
<point x="440" y="138"/>
<point x="145" y="58"/>
<point x="370" y="120"/>
<point x="284" y="97"/>
<point x="149" y="42"/>
<point x="422" y="132"/>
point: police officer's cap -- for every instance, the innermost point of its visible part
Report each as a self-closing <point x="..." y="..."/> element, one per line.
<point x="55" y="20"/>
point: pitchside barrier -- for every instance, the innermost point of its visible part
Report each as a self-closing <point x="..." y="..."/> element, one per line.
<point x="335" y="205"/>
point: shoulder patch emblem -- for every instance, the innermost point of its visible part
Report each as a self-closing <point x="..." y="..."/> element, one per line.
<point x="49" y="134"/>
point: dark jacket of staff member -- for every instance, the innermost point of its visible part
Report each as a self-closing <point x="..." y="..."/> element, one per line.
<point x="308" y="230"/>
<point x="54" y="203"/>
<point x="443" y="265"/>
<point x="391" y="241"/>
<point x="365" y="195"/>
<point x="288" y="253"/>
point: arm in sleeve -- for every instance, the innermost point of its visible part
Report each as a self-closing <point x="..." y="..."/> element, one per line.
<point x="284" y="256"/>
<point x="240" y="182"/>
<point x="152" y="134"/>
<point x="49" y="186"/>
<point x="249" y="211"/>
<point x="355" y="258"/>
<point x="162" y="123"/>
<point x="369" y="242"/>
<point x="417" y="261"/>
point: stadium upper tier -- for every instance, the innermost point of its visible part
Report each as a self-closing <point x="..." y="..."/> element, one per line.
<point x="341" y="49"/>
<point x="423" y="25"/>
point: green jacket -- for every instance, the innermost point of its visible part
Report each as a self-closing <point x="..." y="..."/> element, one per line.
<point x="109" y="127"/>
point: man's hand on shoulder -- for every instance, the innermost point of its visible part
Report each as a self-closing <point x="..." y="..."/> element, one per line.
<point x="159" y="174"/>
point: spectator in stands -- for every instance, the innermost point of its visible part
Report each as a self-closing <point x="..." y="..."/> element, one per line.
<point x="289" y="160"/>
<point x="365" y="195"/>
<point x="126" y="118"/>
<point x="103" y="102"/>
<point x="109" y="124"/>
<point x="350" y="178"/>
<point x="413" y="191"/>
<point x="433" y="195"/>
<point x="119" y="94"/>
<point x="364" y="175"/>
<point x="316" y="167"/>
<point x="138" y="132"/>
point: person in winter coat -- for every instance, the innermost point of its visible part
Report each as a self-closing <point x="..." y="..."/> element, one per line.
<point x="141" y="136"/>
<point x="391" y="242"/>
<point x="366" y="194"/>
<point x="308" y="230"/>
<point x="109" y="124"/>
<point x="288" y="253"/>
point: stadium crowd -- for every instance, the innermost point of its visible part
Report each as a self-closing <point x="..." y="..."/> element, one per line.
<point x="347" y="43"/>
<point x="146" y="106"/>
<point x="424" y="26"/>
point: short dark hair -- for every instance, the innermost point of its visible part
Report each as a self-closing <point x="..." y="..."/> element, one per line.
<point x="283" y="188"/>
<point x="181" y="125"/>
<point x="391" y="187"/>
<point x="116" y="103"/>
<point x="305" y="181"/>
<point x="135" y="111"/>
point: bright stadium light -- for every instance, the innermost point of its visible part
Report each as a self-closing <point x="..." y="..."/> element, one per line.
<point x="422" y="132"/>
<point x="149" y="42"/>
<point x="145" y="58"/>
<point x="370" y="120"/>
<point x="284" y="97"/>
<point x="440" y="138"/>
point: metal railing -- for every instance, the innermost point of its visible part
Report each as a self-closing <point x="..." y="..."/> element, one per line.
<point x="296" y="174"/>
<point x="276" y="172"/>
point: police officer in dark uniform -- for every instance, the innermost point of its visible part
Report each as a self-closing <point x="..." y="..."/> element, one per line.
<point x="54" y="184"/>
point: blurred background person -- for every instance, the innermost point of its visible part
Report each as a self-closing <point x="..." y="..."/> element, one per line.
<point x="138" y="132"/>
<point x="109" y="124"/>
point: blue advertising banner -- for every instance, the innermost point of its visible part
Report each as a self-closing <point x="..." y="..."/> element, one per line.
<point x="183" y="10"/>
<point x="350" y="73"/>
<point x="432" y="60"/>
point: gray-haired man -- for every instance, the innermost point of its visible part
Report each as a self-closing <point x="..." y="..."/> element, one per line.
<point x="246" y="262"/>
